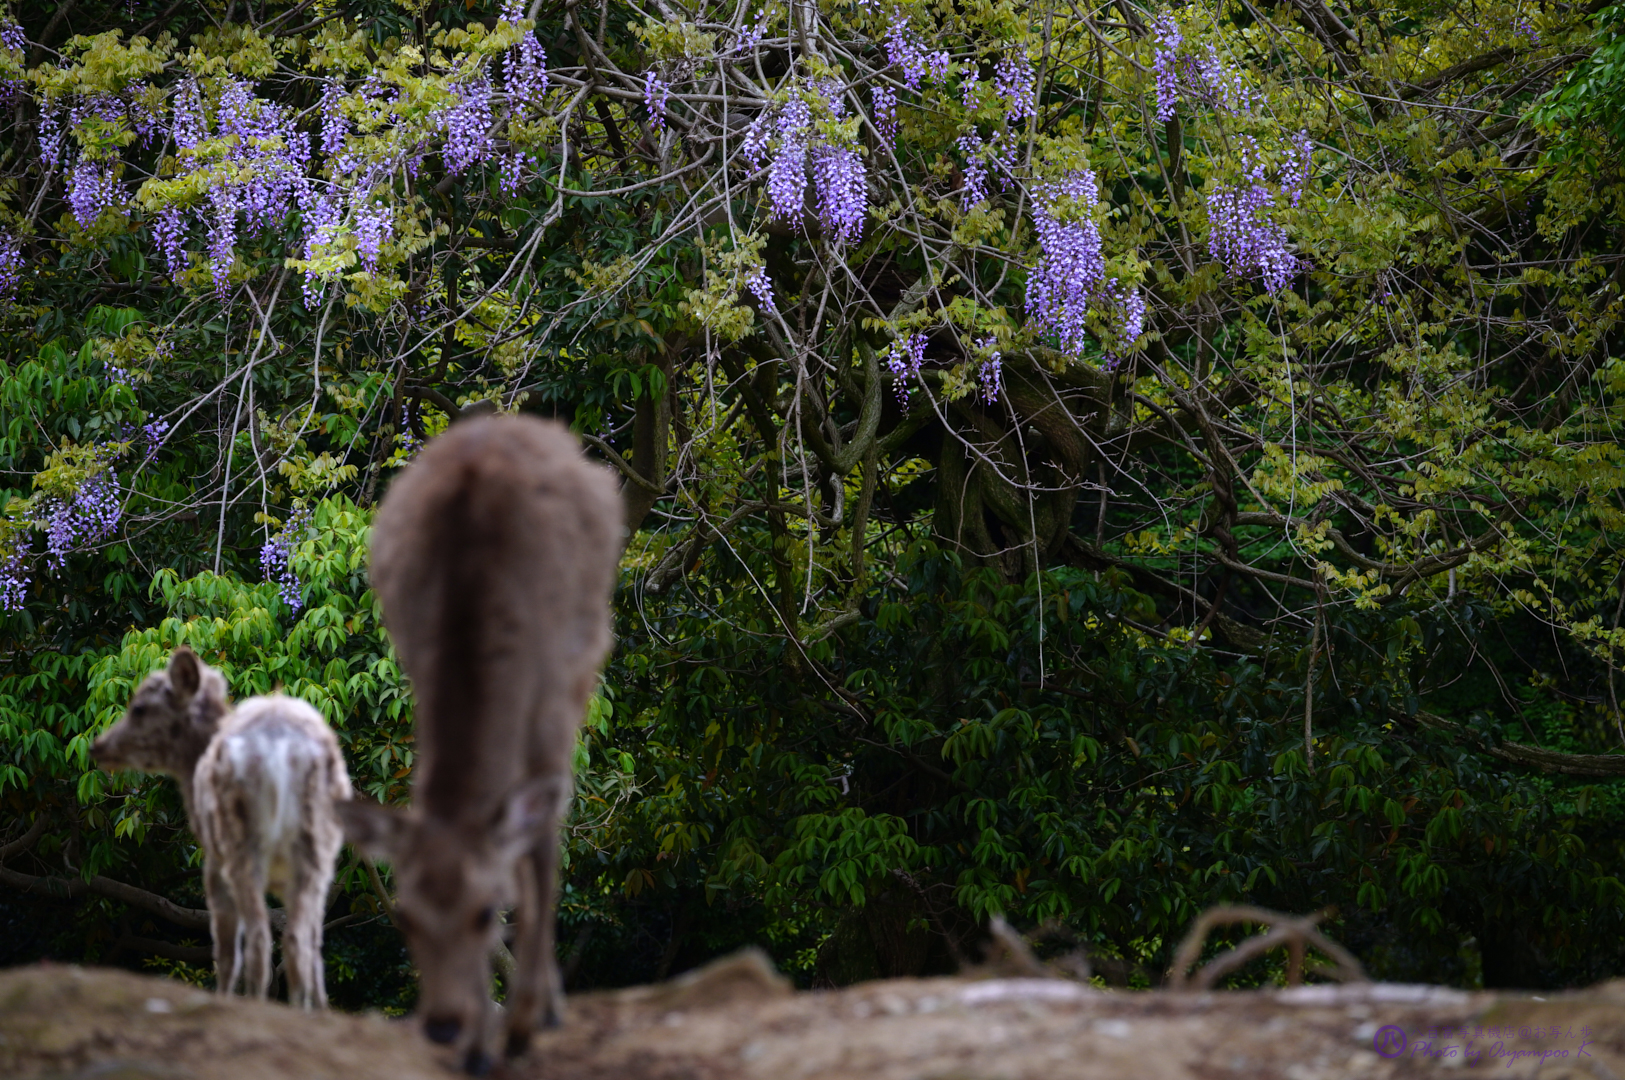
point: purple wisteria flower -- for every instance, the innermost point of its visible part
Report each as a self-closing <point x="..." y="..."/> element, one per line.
<point x="468" y="127"/>
<point x="92" y="189"/>
<point x="1242" y="231"/>
<point x="1296" y="166"/>
<point x="169" y="237"/>
<point x="905" y="358"/>
<point x="1013" y="81"/>
<point x="655" y="92"/>
<point x="761" y="287"/>
<point x="1164" y="65"/>
<point x="1071" y="268"/>
<point x="524" y="71"/>
<point x="14" y="577"/>
<point x="189" y="127"/>
<point x="11" y="267"/>
<point x="12" y="36"/>
<point x="276" y="558"/>
<point x="335" y="126"/>
<point x="971" y="148"/>
<point x="374" y="225"/>
<point x="885" y="103"/>
<point x="907" y="52"/>
<point x="991" y="374"/>
<point x="787" y="175"/>
<point x="90" y="514"/>
<point x="840" y="180"/>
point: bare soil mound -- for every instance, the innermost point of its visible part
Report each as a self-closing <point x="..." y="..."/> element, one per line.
<point x="737" y="1020"/>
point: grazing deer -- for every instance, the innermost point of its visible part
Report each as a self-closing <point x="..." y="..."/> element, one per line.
<point x="494" y="556"/>
<point x="259" y="783"/>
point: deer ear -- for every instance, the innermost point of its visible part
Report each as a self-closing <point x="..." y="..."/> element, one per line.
<point x="184" y="673"/>
<point x="532" y="809"/>
<point x="378" y="832"/>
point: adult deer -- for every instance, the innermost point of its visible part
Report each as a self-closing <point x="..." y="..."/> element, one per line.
<point x="494" y="556"/>
<point x="259" y="784"/>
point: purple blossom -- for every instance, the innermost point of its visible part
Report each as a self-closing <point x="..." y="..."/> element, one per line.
<point x="885" y="102"/>
<point x="905" y="358"/>
<point x="1163" y="65"/>
<point x="909" y="53"/>
<point x="169" y="237"/>
<point x="468" y="127"/>
<point x="14" y="579"/>
<point x="52" y="137"/>
<point x="222" y="236"/>
<point x="655" y="92"/>
<point x="967" y="90"/>
<point x="276" y="558"/>
<point x="1296" y="166"/>
<point x="754" y="146"/>
<point x="1070" y="269"/>
<point x="970" y="146"/>
<point x="1013" y="81"/>
<point x="991" y="373"/>
<point x="374" y="225"/>
<point x="12" y="36"/>
<point x="93" y="189"/>
<point x="524" y="71"/>
<point x="840" y="180"/>
<point x="335" y="126"/>
<point x="751" y="36"/>
<point x="188" y="126"/>
<point x="761" y="286"/>
<point x="11" y="267"/>
<point x="1242" y="231"/>
<point x="787" y="175"/>
<point x="152" y="438"/>
<point x="1128" y="320"/>
<point x="91" y="513"/>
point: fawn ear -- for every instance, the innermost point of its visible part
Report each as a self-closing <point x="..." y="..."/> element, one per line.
<point x="530" y="811"/>
<point x="378" y="832"/>
<point x="184" y="673"/>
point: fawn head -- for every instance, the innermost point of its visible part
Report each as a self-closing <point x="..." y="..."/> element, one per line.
<point x="451" y="880"/>
<point x="171" y="717"/>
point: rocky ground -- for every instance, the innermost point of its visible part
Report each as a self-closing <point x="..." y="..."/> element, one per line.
<point x="738" y="1020"/>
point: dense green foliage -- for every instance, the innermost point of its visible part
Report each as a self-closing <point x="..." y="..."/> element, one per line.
<point x="1305" y="592"/>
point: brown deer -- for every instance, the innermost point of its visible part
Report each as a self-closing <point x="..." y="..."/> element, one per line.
<point x="259" y="784"/>
<point x="494" y="556"/>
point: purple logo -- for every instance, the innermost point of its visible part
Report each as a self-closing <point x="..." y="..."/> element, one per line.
<point x="1389" y="1041"/>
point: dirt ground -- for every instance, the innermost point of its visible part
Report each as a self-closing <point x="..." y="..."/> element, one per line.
<point x="737" y="1020"/>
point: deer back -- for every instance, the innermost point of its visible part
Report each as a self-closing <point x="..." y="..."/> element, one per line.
<point x="494" y="556"/>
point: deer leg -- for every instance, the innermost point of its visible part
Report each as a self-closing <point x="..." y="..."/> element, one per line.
<point x="255" y="922"/>
<point x="223" y="921"/>
<point x="537" y="995"/>
<point x="302" y="942"/>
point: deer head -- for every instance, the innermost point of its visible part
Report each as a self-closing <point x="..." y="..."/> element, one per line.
<point x="171" y="717"/>
<point x="451" y="879"/>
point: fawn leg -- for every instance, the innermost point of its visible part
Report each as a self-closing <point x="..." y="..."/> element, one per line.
<point x="302" y="942"/>
<point x="223" y="922"/>
<point x="538" y="995"/>
<point x="255" y="921"/>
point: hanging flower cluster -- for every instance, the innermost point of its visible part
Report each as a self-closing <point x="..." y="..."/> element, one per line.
<point x="991" y="375"/>
<point x="904" y="359"/>
<point x="905" y="50"/>
<point x="1013" y="81"/>
<point x="1201" y="77"/>
<point x="91" y="512"/>
<point x="885" y="109"/>
<point x="276" y="558"/>
<point x="981" y="160"/>
<point x="655" y="93"/>
<point x="1242" y="231"/>
<point x="11" y="267"/>
<point x="1070" y="278"/>
<point x="524" y="69"/>
<point x="840" y="178"/>
<point x="14" y="578"/>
